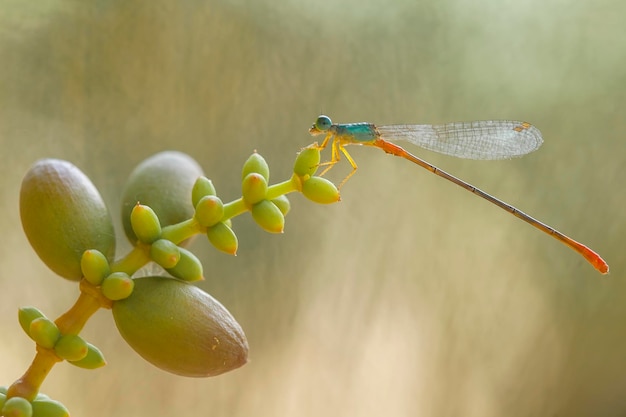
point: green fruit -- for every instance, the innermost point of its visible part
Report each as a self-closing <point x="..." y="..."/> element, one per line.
<point x="71" y="347"/>
<point x="164" y="182"/>
<point x="223" y="238"/>
<point x="256" y="163"/>
<point x="283" y="204"/>
<point x="307" y="162"/>
<point x="188" y="267"/>
<point x="117" y="286"/>
<point x="253" y="188"/>
<point x="26" y="315"/>
<point x="93" y="360"/>
<point x="165" y="253"/>
<point x="201" y="188"/>
<point x="44" y="332"/>
<point x="180" y="328"/>
<point x="17" y="407"/>
<point x="95" y="266"/>
<point x="145" y="223"/>
<point x="49" y="408"/>
<point x="320" y="190"/>
<point x="209" y="210"/>
<point x="63" y="215"/>
<point x="268" y="216"/>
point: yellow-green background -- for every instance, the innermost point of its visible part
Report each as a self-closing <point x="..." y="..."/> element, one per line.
<point x="411" y="297"/>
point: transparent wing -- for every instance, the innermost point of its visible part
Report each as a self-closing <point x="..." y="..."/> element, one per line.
<point x="492" y="139"/>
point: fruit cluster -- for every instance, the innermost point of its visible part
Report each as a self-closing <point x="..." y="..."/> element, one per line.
<point x="166" y="201"/>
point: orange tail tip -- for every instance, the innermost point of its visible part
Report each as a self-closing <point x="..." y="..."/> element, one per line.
<point x="595" y="260"/>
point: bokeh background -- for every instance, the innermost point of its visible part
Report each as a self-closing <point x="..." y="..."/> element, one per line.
<point x="411" y="297"/>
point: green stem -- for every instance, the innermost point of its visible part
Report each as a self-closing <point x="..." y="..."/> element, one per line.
<point x="133" y="261"/>
<point x="234" y="209"/>
<point x="281" y="188"/>
<point x="28" y="385"/>
<point x="182" y="231"/>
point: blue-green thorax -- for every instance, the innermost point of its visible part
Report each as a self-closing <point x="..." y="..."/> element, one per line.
<point x="359" y="133"/>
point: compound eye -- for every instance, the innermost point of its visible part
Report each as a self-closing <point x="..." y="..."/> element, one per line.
<point x="323" y="123"/>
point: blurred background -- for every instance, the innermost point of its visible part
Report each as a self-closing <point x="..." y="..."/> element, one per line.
<point x="410" y="297"/>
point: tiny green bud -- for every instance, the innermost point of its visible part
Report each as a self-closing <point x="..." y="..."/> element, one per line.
<point x="117" y="286"/>
<point x="282" y="202"/>
<point x="44" y="332"/>
<point x="254" y="188"/>
<point x="307" y="162"/>
<point x="95" y="266"/>
<point x="188" y="267"/>
<point x="145" y="223"/>
<point x="49" y="408"/>
<point x="201" y="188"/>
<point x="268" y="216"/>
<point x="165" y="253"/>
<point x="320" y="190"/>
<point x="94" y="359"/>
<point x="223" y="238"/>
<point x="256" y="163"/>
<point x="17" y="407"/>
<point x="26" y="315"/>
<point x="3" y="398"/>
<point x="209" y="210"/>
<point x="71" y="347"/>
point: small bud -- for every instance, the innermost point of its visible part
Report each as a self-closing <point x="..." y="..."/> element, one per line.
<point x="94" y="359"/>
<point x="117" y="286"/>
<point x="46" y="407"/>
<point x="282" y="202"/>
<point x="95" y="266"/>
<point x="223" y="238"/>
<point x="145" y="223"/>
<point x="49" y="408"/>
<point x="26" y="315"/>
<point x="268" y="216"/>
<point x="44" y="332"/>
<point x="254" y="188"/>
<point x="71" y="347"/>
<point x="165" y="253"/>
<point x="320" y="190"/>
<point x="188" y="267"/>
<point x="256" y="163"/>
<point x="307" y="162"/>
<point x="3" y="398"/>
<point x="209" y="210"/>
<point x="17" y="407"/>
<point x="201" y="188"/>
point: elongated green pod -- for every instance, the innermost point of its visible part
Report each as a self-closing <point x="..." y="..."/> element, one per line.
<point x="180" y="328"/>
<point x="63" y="215"/>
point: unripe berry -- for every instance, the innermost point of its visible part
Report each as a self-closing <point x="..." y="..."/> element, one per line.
<point x="320" y="190"/>
<point x="145" y="223"/>
<point x="268" y="216"/>
<point x="209" y="210"/>
<point x="253" y="188"/>
<point x="63" y="215"/>
<point x="201" y="188"/>
<point x="223" y="238"/>
<point x="180" y="328"/>
<point x="307" y="162"/>
<point x="95" y="266"/>
<point x="256" y="163"/>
